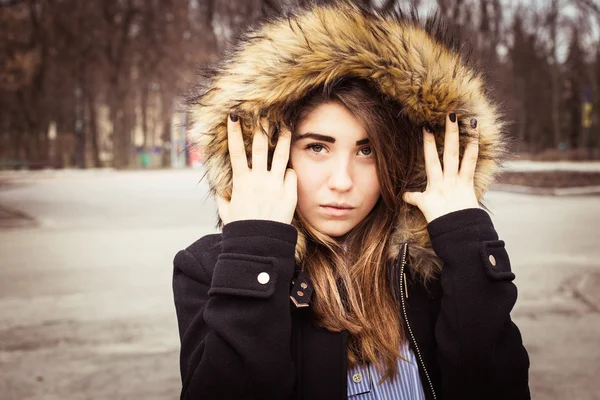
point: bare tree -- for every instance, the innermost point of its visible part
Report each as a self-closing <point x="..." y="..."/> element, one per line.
<point x="553" y="25"/>
<point x="66" y="62"/>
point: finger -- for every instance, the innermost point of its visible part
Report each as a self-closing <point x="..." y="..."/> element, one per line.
<point x="432" y="160"/>
<point x="290" y="183"/>
<point x="451" y="146"/>
<point x="260" y="148"/>
<point x="235" y="144"/>
<point x="222" y="208"/>
<point x="412" y="198"/>
<point x="469" y="160"/>
<point x="281" y="154"/>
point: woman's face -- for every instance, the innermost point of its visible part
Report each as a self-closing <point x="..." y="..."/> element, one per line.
<point x="337" y="176"/>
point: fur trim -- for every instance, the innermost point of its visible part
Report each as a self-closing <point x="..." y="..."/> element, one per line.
<point x="418" y="65"/>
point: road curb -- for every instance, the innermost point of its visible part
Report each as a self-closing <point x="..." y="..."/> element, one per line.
<point x="587" y="290"/>
<point x="572" y="191"/>
<point x="537" y="166"/>
<point x="11" y="218"/>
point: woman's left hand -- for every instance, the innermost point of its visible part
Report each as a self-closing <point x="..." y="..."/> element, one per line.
<point x="451" y="189"/>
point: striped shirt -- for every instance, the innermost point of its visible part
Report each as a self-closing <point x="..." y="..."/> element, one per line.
<point x="363" y="381"/>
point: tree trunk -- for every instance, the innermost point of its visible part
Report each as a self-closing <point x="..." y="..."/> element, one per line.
<point x="93" y="124"/>
<point x="166" y="136"/>
<point x="144" y="106"/>
<point x="522" y="112"/>
<point x="120" y="111"/>
<point x="555" y="86"/>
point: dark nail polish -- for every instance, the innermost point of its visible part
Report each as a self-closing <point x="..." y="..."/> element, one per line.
<point x="428" y="129"/>
<point x="453" y="117"/>
<point x="473" y="123"/>
<point x="233" y="117"/>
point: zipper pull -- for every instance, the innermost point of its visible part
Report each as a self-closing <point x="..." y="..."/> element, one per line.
<point x="405" y="285"/>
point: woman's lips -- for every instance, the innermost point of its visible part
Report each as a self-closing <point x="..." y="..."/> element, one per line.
<point x="336" y="212"/>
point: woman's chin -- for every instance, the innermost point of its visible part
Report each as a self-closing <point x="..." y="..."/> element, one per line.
<point x="333" y="228"/>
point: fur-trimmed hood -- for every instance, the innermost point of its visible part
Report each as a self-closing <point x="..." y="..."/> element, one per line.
<point x="419" y="65"/>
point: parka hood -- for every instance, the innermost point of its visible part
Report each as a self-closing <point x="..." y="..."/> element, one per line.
<point x="417" y="64"/>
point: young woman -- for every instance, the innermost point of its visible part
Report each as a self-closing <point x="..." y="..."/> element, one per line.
<point x="348" y="152"/>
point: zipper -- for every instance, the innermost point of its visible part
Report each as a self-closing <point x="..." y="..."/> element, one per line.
<point x="402" y="294"/>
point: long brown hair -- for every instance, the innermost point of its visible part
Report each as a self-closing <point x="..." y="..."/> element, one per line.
<point x="353" y="289"/>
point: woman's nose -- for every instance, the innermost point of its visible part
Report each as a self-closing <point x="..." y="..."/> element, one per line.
<point x="340" y="178"/>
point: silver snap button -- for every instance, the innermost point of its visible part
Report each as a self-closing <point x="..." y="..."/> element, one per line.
<point x="263" y="278"/>
<point x="492" y="260"/>
<point x="357" y="378"/>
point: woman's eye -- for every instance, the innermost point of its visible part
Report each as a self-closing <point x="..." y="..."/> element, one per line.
<point x="366" y="151"/>
<point x="315" y="147"/>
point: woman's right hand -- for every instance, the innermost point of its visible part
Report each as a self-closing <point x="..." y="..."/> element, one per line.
<point x="257" y="192"/>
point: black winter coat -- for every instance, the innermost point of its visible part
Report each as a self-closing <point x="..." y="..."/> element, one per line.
<point x="242" y="339"/>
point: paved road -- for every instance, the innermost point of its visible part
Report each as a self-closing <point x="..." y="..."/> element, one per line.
<point x="86" y="301"/>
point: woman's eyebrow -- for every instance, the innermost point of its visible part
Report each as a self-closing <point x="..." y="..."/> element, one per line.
<point x="316" y="136"/>
<point x="325" y="138"/>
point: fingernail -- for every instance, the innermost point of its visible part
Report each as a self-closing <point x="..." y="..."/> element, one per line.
<point x="473" y="123"/>
<point x="233" y="117"/>
<point x="452" y="117"/>
<point x="428" y="129"/>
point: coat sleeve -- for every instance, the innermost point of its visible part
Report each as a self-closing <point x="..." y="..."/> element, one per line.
<point x="235" y="325"/>
<point x="480" y="350"/>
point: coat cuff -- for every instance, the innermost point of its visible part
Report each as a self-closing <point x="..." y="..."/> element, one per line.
<point x="466" y="236"/>
<point x="260" y="227"/>
<point x="257" y="257"/>
<point x="458" y="220"/>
